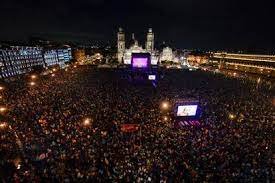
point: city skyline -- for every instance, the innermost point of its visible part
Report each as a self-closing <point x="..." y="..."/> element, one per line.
<point x="190" y="24"/>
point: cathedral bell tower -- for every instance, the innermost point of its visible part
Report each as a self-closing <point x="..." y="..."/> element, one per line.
<point x="120" y="45"/>
<point x="150" y="41"/>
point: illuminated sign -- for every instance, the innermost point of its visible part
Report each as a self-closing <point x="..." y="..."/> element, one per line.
<point x="152" y="77"/>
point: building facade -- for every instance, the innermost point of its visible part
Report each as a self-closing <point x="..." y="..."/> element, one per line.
<point x="167" y="55"/>
<point x="150" y="41"/>
<point x="64" y="55"/>
<point x="250" y="63"/>
<point x="51" y="58"/>
<point x="120" y="45"/>
<point x="17" y="60"/>
<point x="197" y="58"/>
<point x="125" y="55"/>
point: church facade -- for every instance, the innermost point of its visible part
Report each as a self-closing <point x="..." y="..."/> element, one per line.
<point x="124" y="55"/>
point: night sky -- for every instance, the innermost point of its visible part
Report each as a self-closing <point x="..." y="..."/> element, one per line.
<point x="205" y="24"/>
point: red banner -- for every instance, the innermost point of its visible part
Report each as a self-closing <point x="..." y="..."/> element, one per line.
<point x="129" y="127"/>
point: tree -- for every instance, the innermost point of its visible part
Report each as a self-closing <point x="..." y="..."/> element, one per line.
<point x="114" y="61"/>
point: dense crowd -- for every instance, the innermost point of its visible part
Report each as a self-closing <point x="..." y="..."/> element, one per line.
<point x="47" y="139"/>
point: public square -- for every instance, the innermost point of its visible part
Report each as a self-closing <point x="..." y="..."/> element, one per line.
<point x="65" y="127"/>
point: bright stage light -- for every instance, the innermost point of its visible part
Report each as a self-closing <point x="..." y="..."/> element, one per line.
<point x="32" y="83"/>
<point x="53" y="75"/>
<point x="165" y="118"/>
<point x="2" y="88"/>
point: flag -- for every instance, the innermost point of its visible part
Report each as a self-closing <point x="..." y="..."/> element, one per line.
<point x="129" y="127"/>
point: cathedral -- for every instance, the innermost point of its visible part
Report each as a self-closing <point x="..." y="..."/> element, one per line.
<point x="125" y="55"/>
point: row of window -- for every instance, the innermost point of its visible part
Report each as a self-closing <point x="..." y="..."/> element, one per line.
<point x="20" y="53"/>
<point x="11" y="66"/>
<point x="248" y="57"/>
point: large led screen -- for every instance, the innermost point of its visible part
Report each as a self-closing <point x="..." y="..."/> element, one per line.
<point x="187" y="110"/>
<point x="152" y="77"/>
<point x="140" y="62"/>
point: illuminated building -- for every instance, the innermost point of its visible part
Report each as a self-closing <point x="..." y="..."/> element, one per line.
<point x="16" y="60"/>
<point x="120" y="45"/>
<point x="124" y="55"/>
<point x="79" y="55"/>
<point x="64" y="55"/>
<point x="150" y="41"/>
<point x="135" y="48"/>
<point x="58" y="56"/>
<point x="51" y="58"/>
<point x="196" y="59"/>
<point x="258" y="64"/>
<point x="167" y="54"/>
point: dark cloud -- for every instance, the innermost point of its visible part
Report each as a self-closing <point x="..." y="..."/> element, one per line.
<point x="184" y="23"/>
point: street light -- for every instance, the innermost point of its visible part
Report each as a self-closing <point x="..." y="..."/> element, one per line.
<point x="3" y="125"/>
<point x="165" y="105"/>
<point x="3" y="109"/>
<point x="32" y="83"/>
<point x="87" y="122"/>
<point x="33" y="76"/>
